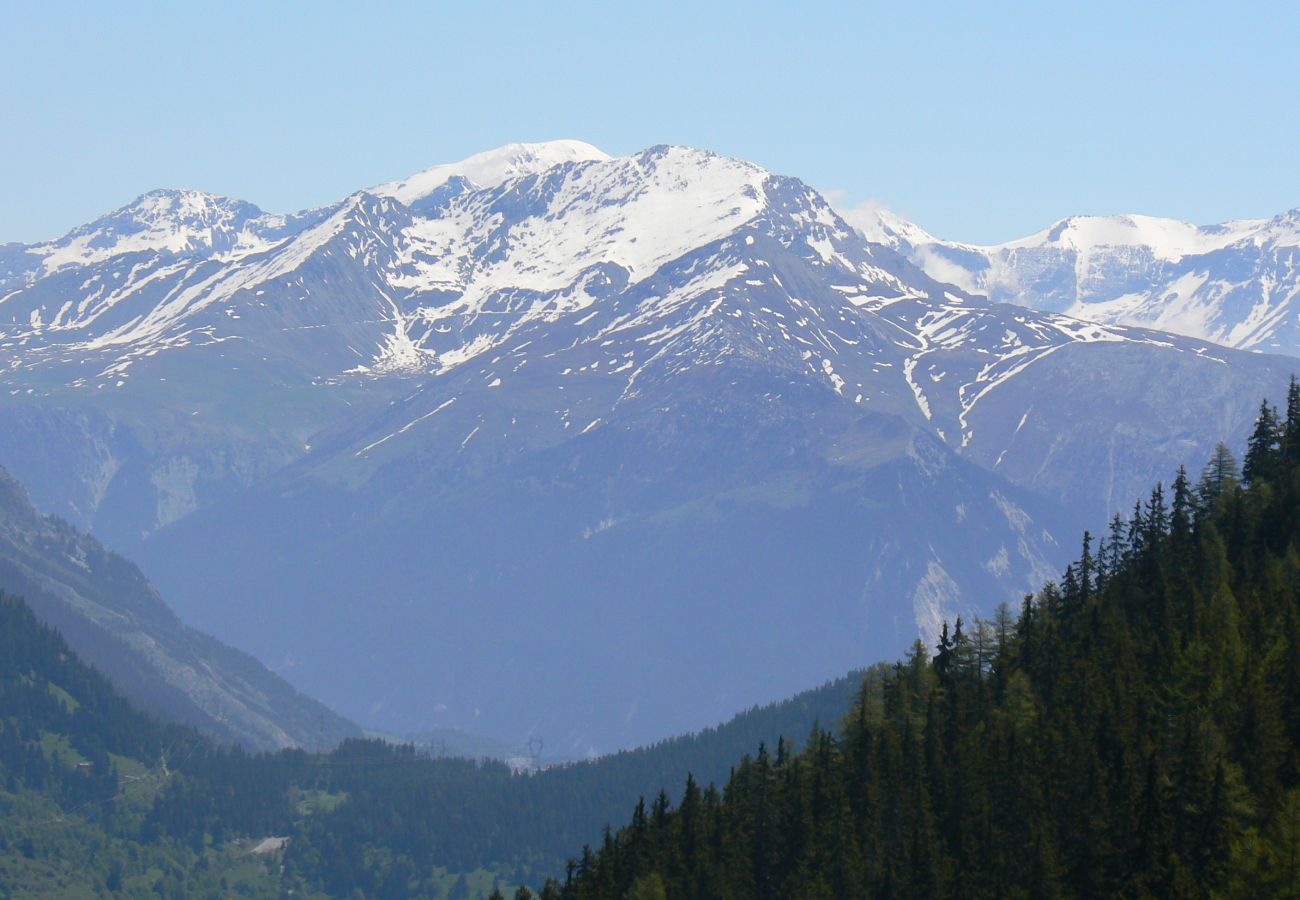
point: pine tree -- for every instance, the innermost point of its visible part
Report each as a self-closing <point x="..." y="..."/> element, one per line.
<point x="1262" y="450"/>
<point x="1219" y="477"/>
<point x="1181" y="514"/>
<point x="1291" y="427"/>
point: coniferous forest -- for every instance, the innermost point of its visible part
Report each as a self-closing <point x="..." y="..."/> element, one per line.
<point x="1133" y="730"/>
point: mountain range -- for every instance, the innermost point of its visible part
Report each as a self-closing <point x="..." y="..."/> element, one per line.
<point x="1236" y="284"/>
<point x="474" y="448"/>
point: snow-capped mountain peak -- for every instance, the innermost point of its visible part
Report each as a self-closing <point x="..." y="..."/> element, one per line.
<point x="635" y="212"/>
<point x="184" y="206"/>
<point x="170" y="221"/>
<point x="1281" y="231"/>
<point x="1168" y="239"/>
<point x="881" y="225"/>
<point x="1236" y="283"/>
<point x="555" y="382"/>
<point x="491" y="168"/>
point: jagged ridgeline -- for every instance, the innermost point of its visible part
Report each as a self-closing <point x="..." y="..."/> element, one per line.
<point x="1132" y="731"/>
<point x="514" y="420"/>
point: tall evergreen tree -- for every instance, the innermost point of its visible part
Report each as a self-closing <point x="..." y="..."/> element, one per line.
<point x="1219" y="476"/>
<point x="1291" y="427"/>
<point x="1263" y="455"/>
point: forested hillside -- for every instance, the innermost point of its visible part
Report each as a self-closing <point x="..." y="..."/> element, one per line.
<point x="95" y="796"/>
<point x="1132" y="730"/>
<point x="79" y="771"/>
<point x="385" y="819"/>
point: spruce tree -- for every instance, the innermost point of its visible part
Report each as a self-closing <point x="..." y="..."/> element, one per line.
<point x="1219" y="476"/>
<point x="1291" y="427"/>
<point x="1262" y="450"/>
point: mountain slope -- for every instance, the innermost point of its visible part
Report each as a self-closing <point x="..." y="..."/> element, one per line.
<point x="488" y="169"/>
<point x="117" y="621"/>
<point x="79" y="770"/>
<point x="94" y="790"/>
<point x="564" y="401"/>
<point x="1132" y="733"/>
<point x="1235" y="284"/>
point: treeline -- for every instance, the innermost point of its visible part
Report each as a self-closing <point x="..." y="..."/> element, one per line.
<point x="1133" y="730"/>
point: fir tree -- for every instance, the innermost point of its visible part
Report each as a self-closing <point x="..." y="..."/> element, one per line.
<point x="1219" y="477"/>
<point x="1290" y="442"/>
<point x="1263" y="449"/>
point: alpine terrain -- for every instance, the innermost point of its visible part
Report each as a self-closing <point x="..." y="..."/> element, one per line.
<point x="1237" y="283"/>
<point x="597" y="449"/>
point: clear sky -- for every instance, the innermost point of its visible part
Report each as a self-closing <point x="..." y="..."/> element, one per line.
<point x="980" y="121"/>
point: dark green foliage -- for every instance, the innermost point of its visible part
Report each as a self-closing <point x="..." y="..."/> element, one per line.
<point x="1219" y="476"/>
<point x="522" y="825"/>
<point x="1290" y="440"/>
<point x="1135" y="732"/>
<point x="79" y="768"/>
<point x="1264" y="449"/>
<point x="60" y="721"/>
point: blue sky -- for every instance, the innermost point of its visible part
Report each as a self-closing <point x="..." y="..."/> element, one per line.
<point x="981" y="121"/>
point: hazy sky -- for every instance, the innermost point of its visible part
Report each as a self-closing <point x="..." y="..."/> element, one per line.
<point x="981" y="121"/>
